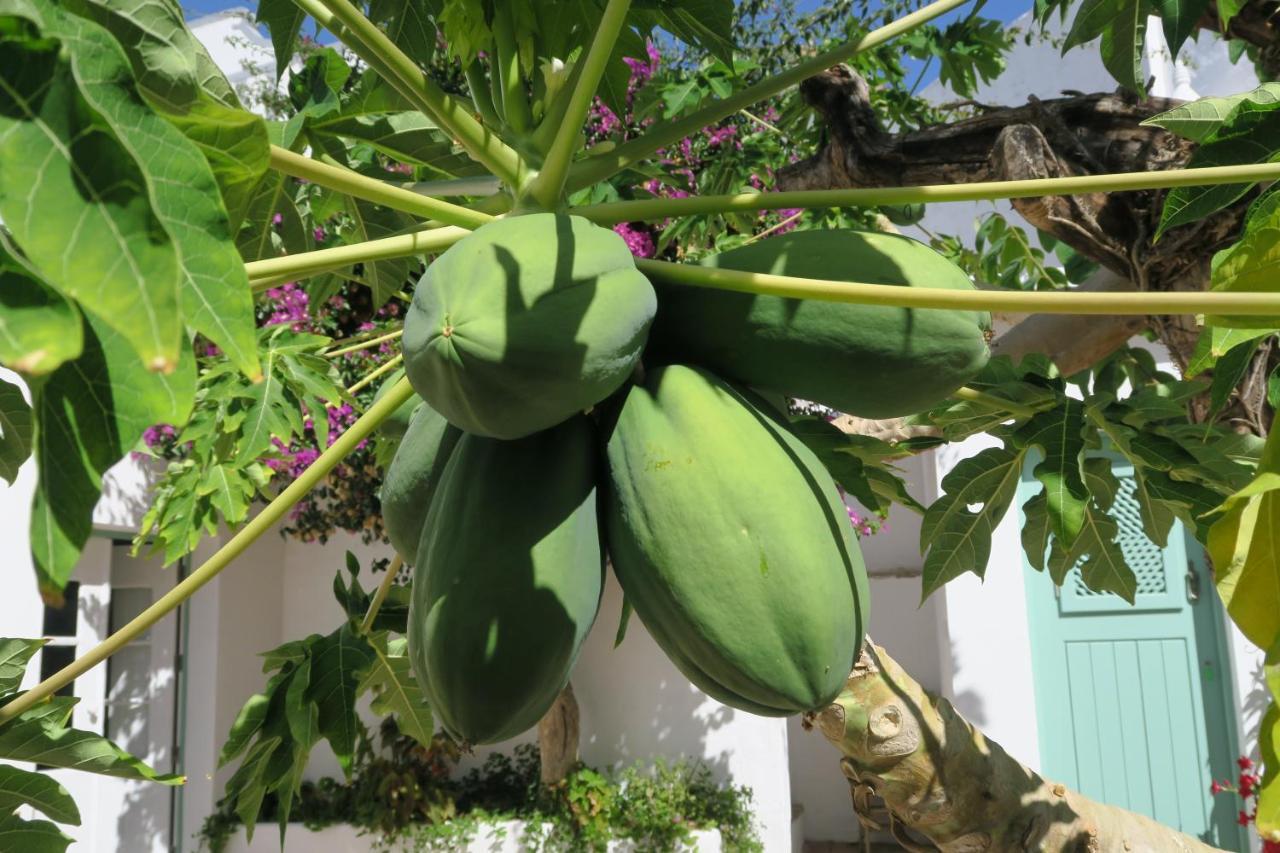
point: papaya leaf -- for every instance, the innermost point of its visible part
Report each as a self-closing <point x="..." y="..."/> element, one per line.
<point x="31" y="836"/>
<point x="408" y="23"/>
<point x="235" y="144"/>
<point x="247" y="786"/>
<point x="42" y="793"/>
<point x="1058" y="434"/>
<point x="372" y="222"/>
<point x="395" y="688"/>
<point x="957" y="535"/>
<point x="247" y="723"/>
<point x="39" y="328"/>
<point x="1249" y="138"/>
<point x="167" y="59"/>
<point x="89" y="413"/>
<point x="15" y="432"/>
<point x="47" y="741"/>
<point x="301" y="714"/>
<point x="67" y="104"/>
<point x="338" y="660"/>
<point x="14" y="655"/>
<point x="170" y="64"/>
<point x="1242" y="545"/>
<point x="1200" y="119"/>
<point x="1035" y="530"/>
<point x="1096" y="552"/>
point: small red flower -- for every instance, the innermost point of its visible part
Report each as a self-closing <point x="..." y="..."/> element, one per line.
<point x="1246" y="786"/>
<point x="1245" y="762"/>
<point x="1271" y="847"/>
<point x="1217" y="787"/>
<point x="1243" y="818"/>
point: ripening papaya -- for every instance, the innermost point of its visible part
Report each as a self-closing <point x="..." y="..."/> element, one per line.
<point x="527" y="321"/>
<point x="874" y="361"/>
<point x="397" y="423"/>
<point x="412" y="478"/>
<point x="508" y="579"/>
<point x="731" y="542"/>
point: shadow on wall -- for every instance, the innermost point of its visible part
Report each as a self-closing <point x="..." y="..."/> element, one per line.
<point x="651" y="711"/>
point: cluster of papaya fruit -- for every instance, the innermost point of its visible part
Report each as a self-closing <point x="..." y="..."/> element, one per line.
<point x="543" y="449"/>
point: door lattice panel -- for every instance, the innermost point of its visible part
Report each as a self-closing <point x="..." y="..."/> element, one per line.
<point x="1140" y="553"/>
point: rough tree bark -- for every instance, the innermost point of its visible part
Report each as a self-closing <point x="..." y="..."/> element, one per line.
<point x="939" y="776"/>
<point x="936" y="774"/>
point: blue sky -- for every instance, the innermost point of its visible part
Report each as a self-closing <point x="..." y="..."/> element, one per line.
<point x="1004" y="10"/>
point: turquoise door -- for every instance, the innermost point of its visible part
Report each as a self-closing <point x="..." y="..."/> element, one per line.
<point x="1133" y="702"/>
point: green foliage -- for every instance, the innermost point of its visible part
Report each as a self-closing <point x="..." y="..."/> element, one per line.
<point x="409" y="794"/>
<point x="311" y="692"/>
<point x="234" y="425"/>
<point x="88" y="414"/>
<point x="41" y="735"/>
<point x="1180" y="470"/>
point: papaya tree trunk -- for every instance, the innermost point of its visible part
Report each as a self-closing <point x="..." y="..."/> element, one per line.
<point x="558" y="738"/>
<point x="940" y="778"/>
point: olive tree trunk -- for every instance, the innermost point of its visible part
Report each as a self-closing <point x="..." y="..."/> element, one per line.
<point x="940" y="779"/>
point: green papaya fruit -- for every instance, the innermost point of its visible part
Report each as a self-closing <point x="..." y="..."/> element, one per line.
<point x="731" y="542"/>
<point x="397" y="422"/>
<point x="527" y="321"/>
<point x="508" y="579"/>
<point x="903" y="214"/>
<point x="874" y="361"/>
<point x="412" y="478"/>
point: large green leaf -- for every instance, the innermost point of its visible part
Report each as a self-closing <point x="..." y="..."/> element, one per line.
<point x="1198" y="120"/>
<point x="237" y="148"/>
<point x="1249" y="138"/>
<point x="246" y="724"/>
<point x="1059" y="434"/>
<point x="1103" y="567"/>
<point x="42" y="793"/>
<point x="248" y="785"/>
<point x="336" y="666"/>
<point x="39" y="327"/>
<point x="371" y="222"/>
<point x="1121" y="44"/>
<point x="14" y="654"/>
<point x="45" y="741"/>
<point x="170" y="64"/>
<point x="1181" y="18"/>
<point x="72" y="192"/>
<point x="958" y="537"/>
<point x="283" y="19"/>
<point x="409" y="24"/>
<point x="1250" y="266"/>
<point x="1268" y="820"/>
<point x="15" y="431"/>
<point x="89" y="413"/>
<point x="395" y="688"/>
<point x="31" y="836"/>
<point x="215" y="295"/>
<point x="1246" y="556"/>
